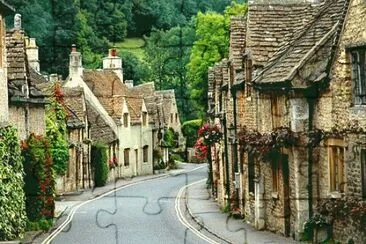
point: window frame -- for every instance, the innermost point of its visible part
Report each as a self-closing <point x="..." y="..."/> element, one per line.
<point x="358" y="75"/>
<point x="276" y="169"/>
<point x="125" y="119"/>
<point x="336" y="165"/>
<point x="144" y="118"/>
<point x="145" y="154"/>
<point x="126" y="157"/>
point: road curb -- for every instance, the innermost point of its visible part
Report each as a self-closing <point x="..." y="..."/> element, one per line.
<point x="195" y="219"/>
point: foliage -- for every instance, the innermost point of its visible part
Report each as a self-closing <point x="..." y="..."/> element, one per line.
<point x="190" y="131"/>
<point x="41" y="224"/>
<point x="343" y="208"/>
<point x="12" y="198"/>
<point x="113" y="162"/>
<point x="208" y="136"/>
<point x="157" y="155"/>
<point x="39" y="178"/>
<point x="168" y="138"/>
<point x="160" y="165"/>
<point x="211" y="45"/>
<point x="56" y="130"/>
<point x="315" y="222"/>
<point x="260" y="144"/>
<point x="99" y="163"/>
<point x="134" y="68"/>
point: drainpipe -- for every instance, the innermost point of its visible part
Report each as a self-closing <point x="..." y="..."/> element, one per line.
<point x="236" y="165"/>
<point x="227" y="183"/>
<point x="310" y="100"/>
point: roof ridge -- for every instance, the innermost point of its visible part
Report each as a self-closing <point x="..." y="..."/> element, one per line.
<point x="280" y="54"/>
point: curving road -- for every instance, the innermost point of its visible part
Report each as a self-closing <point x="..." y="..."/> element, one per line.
<point x="146" y="212"/>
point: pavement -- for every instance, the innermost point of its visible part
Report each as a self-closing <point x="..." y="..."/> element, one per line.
<point x="206" y="212"/>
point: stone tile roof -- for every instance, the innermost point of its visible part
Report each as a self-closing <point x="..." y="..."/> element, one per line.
<point x="99" y="130"/>
<point x="74" y="101"/>
<point x="104" y="83"/>
<point x="147" y="90"/>
<point x="21" y="78"/>
<point x="165" y="99"/>
<point x="269" y="25"/>
<point x="312" y="45"/>
<point x="135" y="108"/>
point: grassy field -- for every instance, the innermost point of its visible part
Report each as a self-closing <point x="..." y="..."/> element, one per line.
<point x="133" y="45"/>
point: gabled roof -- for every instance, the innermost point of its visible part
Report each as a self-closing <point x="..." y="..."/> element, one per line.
<point x="74" y="101"/>
<point x="21" y="77"/>
<point x="104" y="83"/>
<point x="313" y="44"/>
<point x="269" y="25"/>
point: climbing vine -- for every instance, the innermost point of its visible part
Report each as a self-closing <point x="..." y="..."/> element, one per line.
<point x="57" y="131"/>
<point x="39" y="178"/>
<point x="12" y="198"/>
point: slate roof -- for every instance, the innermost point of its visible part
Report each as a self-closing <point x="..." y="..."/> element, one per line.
<point x="21" y="77"/>
<point x="165" y="98"/>
<point x="269" y="25"/>
<point x="74" y="101"/>
<point x="313" y="44"/>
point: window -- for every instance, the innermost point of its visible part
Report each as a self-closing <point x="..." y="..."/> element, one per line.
<point x="336" y="168"/>
<point x="251" y="172"/>
<point x="363" y="172"/>
<point x="275" y="175"/>
<point x="126" y="156"/>
<point x="171" y="118"/>
<point x="145" y="154"/>
<point x="359" y="75"/>
<point x="125" y="119"/>
<point x="176" y="118"/>
<point x="144" y="118"/>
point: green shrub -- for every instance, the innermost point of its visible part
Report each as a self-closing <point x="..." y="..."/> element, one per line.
<point x="12" y="197"/>
<point x="41" y="224"/>
<point x="190" y="131"/>
<point x="100" y="164"/>
<point x="39" y="178"/>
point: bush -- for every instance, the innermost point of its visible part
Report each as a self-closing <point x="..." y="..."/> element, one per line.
<point x="39" y="178"/>
<point x="41" y="224"/>
<point x="190" y="131"/>
<point x="99" y="163"/>
<point x="12" y="198"/>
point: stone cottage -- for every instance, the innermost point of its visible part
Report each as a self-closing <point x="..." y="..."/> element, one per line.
<point x="292" y="67"/>
<point x="26" y="100"/>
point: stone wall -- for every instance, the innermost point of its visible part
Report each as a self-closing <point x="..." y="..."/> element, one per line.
<point x="17" y="119"/>
<point x="37" y="122"/>
<point x="4" y="107"/>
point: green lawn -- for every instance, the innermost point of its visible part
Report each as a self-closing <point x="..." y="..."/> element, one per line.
<point x="133" y="45"/>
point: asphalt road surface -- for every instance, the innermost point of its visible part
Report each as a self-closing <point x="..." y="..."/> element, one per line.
<point x="142" y="213"/>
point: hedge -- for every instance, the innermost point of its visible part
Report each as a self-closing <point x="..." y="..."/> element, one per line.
<point x="12" y="198"/>
<point x="190" y="131"/>
<point x="99" y="163"/>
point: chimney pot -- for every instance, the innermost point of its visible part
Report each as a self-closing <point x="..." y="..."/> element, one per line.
<point x="17" y="21"/>
<point x="113" y="52"/>
<point x="73" y="48"/>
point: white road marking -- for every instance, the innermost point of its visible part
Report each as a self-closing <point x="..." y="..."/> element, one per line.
<point x="181" y="217"/>
<point x="74" y="209"/>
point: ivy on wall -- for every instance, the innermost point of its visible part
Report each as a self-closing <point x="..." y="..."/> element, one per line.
<point x="56" y="130"/>
<point x="12" y="198"/>
<point x="39" y="178"/>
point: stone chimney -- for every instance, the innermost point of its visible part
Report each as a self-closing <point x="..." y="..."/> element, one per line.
<point x="75" y="66"/>
<point x="17" y="21"/>
<point x="114" y="63"/>
<point x="32" y="53"/>
<point x="129" y="83"/>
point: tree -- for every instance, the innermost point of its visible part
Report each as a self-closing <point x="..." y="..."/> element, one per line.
<point x="134" y="68"/>
<point x="211" y="45"/>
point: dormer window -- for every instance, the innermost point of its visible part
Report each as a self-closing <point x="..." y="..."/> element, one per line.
<point x="125" y="119"/>
<point x="358" y="57"/>
<point x="144" y="118"/>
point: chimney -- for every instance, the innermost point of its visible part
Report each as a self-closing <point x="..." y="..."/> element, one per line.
<point x="17" y="21"/>
<point x="32" y="53"/>
<point x="113" y="63"/>
<point x="75" y="65"/>
<point x="129" y="83"/>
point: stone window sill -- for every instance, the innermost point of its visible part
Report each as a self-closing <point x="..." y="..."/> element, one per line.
<point x="335" y="195"/>
<point x="274" y="195"/>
